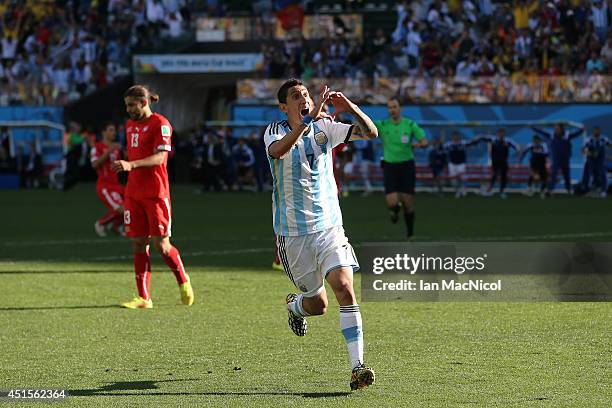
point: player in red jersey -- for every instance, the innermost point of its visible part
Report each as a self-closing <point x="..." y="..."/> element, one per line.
<point x="148" y="214"/>
<point x="109" y="190"/>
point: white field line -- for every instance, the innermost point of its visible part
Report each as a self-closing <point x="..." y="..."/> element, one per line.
<point x="518" y="238"/>
<point x="270" y="249"/>
<point x="99" y="241"/>
<point x="191" y="254"/>
<point x="539" y="237"/>
<point x="130" y="256"/>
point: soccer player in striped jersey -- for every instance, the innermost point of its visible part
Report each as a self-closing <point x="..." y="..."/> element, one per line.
<point x="306" y="212"/>
<point x="457" y="158"/>
<point x="595" y="151"/>
<point x="561" y="150"/>
<point x="500" y="151"/>
<point x="537" y="164"/>
<point x="109" y="190"/>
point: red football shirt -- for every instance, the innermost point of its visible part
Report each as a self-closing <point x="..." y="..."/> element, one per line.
<point x="145" y="138"/>
<point x="105" y="175"/>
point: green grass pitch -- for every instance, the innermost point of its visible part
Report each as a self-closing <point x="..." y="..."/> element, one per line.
<point x="60" y="326"/>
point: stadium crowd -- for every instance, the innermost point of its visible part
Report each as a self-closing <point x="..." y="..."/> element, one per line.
<point x="55" y="52"/>
<point x="462" y="39"/>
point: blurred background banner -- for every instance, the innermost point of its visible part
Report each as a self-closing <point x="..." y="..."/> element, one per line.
<point x="196" y="63"/>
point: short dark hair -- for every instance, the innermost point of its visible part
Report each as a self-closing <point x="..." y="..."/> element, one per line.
<point x="396" y="99"/>
<point x="284" y="89"/>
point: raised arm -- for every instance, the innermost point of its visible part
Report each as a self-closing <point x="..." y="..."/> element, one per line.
<point x="478" y="139"/>
<point x="576" y="133"/>
<point x="365" y="128"/>
<point x="279" y="148"/>
<point x="514" y="145"/>
<point x="543" y="133"/>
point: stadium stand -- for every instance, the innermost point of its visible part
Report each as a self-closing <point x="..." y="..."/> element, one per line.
<point x="59" y="53"/>
<point x="54" y="52"/>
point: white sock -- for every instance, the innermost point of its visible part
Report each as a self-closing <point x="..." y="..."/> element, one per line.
<point x="352" y="330"/>
<point x="297" y="307"/>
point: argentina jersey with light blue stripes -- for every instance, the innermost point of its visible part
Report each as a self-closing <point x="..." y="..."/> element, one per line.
<point x="304" y="192"/>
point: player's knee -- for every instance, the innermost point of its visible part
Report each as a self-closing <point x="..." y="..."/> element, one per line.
<point x="163" y="247"/>
<point x="139" y="245"/>
<point x="344" y="290"/>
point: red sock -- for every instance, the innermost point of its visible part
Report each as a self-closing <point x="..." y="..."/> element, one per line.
<point x="174" y="262"/>
<point x="108" y="217"/>
<point x="276" y="257"/>
<point x="142" y="266"/>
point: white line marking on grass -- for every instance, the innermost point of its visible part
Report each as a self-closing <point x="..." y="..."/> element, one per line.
<point x="191" y="254"/>
<point x="270" y="249"/>
<point x="540" y="237"/>
<point x="517" y="238"/>
<point x="63" y="242"/>
<point x="98" y="241"/>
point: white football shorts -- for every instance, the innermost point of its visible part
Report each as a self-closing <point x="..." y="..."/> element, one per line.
<point x="455" y="170"/>
<point x="307" y="259"/>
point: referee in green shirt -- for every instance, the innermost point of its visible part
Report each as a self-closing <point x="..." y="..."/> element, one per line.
<point x="399" y="136"/>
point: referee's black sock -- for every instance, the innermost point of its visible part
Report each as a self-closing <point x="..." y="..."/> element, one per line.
<point x="409" y="217"/>
<point x="394" y="213"/>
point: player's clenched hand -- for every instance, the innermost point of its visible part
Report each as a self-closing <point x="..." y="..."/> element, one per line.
<point x="121" y="165"/>
<point x="318" y="112"/>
